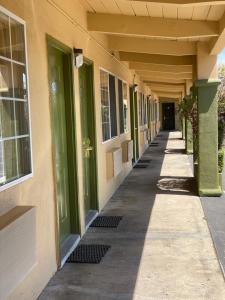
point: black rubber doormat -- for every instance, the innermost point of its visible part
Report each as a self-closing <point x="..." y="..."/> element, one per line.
<point x="106" y="221"/>
<point x="88" y="254"/>
<point x="140" y="166"/>
<point x="145" y="161"/>
<point x="153" y="145"/>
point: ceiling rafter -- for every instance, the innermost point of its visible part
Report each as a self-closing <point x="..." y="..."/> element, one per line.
<point x="179" y="69"/>
<point x="182" y="2"/>
<point x="161" y="80"/>
<point x="151" y="27"/>
<point x="165" y="75"/>
<point x="187" y="60"/>
<point x="143" y="45"/>
<point x="217" y="44"/>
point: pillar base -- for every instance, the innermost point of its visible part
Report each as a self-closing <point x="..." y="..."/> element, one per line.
<point x="210" y="192"/>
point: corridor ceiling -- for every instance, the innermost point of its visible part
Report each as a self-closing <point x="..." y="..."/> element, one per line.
<point x="159" y="39"/>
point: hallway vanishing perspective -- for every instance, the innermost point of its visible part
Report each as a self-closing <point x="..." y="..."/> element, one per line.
<point x="162" y="248"/>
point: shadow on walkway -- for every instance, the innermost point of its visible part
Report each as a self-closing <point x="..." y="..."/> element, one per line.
<point x="132" y="269"/>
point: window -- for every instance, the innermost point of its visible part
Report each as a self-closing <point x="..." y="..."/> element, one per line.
<point x="108" y="105"/>
<point x="15" y="148"/>
<point x="142" y="109"/>
<point x="123" y="106"/>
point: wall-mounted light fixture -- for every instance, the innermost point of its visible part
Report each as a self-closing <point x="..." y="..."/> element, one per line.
<point x="135" y="87"/>
<point x="78" y="57"/>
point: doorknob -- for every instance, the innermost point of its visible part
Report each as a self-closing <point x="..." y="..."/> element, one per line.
<point x="89" y="148"/>
<point x="87" y="151"/>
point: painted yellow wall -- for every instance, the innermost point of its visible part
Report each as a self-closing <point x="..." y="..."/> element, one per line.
<point x="59" y="21"/>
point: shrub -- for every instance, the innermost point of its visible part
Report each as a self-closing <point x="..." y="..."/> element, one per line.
<point x="221" y="160"/>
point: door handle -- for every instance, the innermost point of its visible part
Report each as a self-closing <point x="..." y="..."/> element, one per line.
<point x="89" y="148"/>
<point x="87" y="151"/>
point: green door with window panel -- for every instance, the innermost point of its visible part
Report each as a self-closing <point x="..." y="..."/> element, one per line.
<point x="88" y="137"/>
<point x="63" y="139"/>
<point x="134" y="123"/>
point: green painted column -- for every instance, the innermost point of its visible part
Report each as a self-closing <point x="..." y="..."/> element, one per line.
<point x="208" y="179"/>
<point x="188" y="137"/>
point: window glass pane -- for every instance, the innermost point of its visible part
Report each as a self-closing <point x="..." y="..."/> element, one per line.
<point x="24" y="161"/>
<point x="4" y="36"/>
<point x="125" y="107"/>
<point x="7" y="118"/>
<point x="105" y="131"/>
<point x="124" y="90"/>
<point x="120" y="94"/>
<point x="2" y="168"/>
<point x="112" y="96"/>
<point x="17" y="39"/>
<point x="105" y="114"/>
<point x="105" y="107"/>
<point x="10" y="159"/>
<point x="20" y="81"/>
<point x="125" y="112"/>
<point x="22" y="118"/>
<point x="140" y="110"/>
<point x="6" y="89"/>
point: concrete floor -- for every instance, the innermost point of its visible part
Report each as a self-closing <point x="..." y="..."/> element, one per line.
<point x="162" y="248"/>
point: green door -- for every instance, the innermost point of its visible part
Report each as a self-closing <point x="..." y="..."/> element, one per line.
<point x="134" y="123"/>
<point x="88" y="137"/>
<point x="60" y="76"/>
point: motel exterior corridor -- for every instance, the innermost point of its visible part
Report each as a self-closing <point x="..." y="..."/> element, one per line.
<point x="109" y="107"/>
<point x="162" y="248"/>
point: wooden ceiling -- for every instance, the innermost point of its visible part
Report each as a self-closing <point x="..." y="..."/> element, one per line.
<point x="158" y="10"/>
<point x="159" y="38"/>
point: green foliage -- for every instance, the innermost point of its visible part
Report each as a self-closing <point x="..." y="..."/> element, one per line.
<point x="221" y="105"/>
<point x="221" y="160"/>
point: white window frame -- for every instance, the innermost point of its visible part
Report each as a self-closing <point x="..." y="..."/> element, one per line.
<point x="128" y="106"/>
<point x="114" y="137"/>
<point x="31" y="174"/>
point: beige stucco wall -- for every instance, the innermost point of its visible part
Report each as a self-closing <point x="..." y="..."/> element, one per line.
<point x="61" y="22"/>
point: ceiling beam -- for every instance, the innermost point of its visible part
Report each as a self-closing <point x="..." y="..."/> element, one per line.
<point x="169" y="94"/>
<point x="138" y="66"/>
<point x="143" y="45"/>
<point x="166" y="87"/>
<point x="184" y="2"/>
<point x="166" y="99"/>
<point x="165" y="75"/>
<point x="217" y="44"/>
<point x="158" y="90"/>
<point x="166" y="84"/>
<point x="148" y="80"/>
<point x="151" y="27"/>
<point x="158" y="59"/>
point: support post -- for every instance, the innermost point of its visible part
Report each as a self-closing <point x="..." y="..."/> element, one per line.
<point x="207" y="139"/>
<point x="208" y="178"/>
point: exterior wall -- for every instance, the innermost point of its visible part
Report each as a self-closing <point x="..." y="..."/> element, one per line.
<point x="58" y="20"/>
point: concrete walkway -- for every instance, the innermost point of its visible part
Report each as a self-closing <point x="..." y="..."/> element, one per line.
<point x="162" y="248"/>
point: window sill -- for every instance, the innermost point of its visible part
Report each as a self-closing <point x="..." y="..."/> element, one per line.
<point x="15" y="182"/>
<point x="111" y="140"/>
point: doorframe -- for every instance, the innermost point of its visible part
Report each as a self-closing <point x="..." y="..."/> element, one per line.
<point x="174" y="118"/>
<point x="72" y="154"/>
<point x="94" y="181"/>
